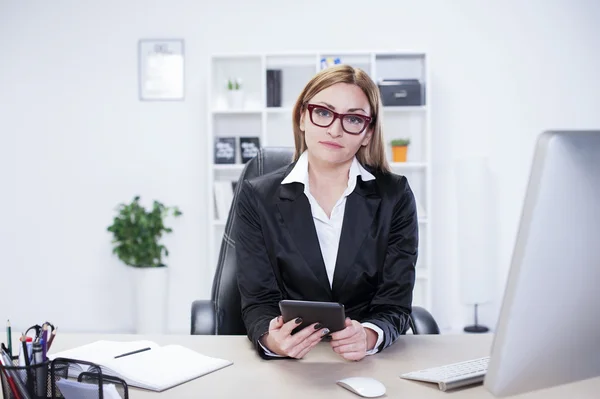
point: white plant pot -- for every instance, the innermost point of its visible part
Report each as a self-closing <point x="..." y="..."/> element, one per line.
<point x="235" y="99"/>
<point x="150" y="290"/>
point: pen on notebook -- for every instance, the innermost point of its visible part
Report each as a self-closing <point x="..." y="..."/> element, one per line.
<point x="9" y="337"/>
<point x="132" y="353"/>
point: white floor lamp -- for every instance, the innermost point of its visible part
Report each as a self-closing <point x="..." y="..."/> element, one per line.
<point x="475" y="234"/>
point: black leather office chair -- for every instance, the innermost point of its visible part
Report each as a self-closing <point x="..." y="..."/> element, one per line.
<point x="221" y="315"/>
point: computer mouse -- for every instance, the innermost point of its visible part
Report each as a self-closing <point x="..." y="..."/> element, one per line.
<point x="364" y="386"/>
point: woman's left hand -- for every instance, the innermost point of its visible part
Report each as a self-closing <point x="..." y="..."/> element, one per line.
<point x="351" y="342"/>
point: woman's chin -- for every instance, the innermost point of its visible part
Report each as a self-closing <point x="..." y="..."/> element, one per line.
<point x="332" y="157"/>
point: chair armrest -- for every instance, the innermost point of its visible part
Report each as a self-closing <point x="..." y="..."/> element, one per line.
<point x="203" y="317"/>
<point x="422" y="322"/>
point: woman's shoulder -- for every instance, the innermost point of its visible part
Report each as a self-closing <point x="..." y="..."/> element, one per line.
<point x="266" y="184"/>
<point x="389" y="182"/>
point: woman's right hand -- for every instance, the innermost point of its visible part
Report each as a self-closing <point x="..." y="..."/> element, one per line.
<point x="280" y="340"/>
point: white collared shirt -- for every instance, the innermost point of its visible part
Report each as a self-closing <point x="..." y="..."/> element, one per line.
<point x="329" y="229"/>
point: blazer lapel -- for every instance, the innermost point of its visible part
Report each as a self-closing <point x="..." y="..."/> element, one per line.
<point x="296" y="212"/>
<point x="361" y="208"/>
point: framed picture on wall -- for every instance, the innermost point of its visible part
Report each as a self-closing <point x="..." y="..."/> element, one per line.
<point x="161" y="69"/>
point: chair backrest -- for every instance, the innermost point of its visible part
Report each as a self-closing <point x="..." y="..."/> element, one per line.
<point x="225" y="293"/>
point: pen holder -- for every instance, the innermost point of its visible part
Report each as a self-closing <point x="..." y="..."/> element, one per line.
<point x="87" y="373"/>
<point x="25" y="382"/>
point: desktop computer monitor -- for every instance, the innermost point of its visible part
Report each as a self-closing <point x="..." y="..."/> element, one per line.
<point x="548" y="332"/>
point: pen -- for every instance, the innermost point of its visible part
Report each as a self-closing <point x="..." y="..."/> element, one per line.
<point x="44" y="341"/>
<point x="9" y="337"/>
<point x="132" y="353"/>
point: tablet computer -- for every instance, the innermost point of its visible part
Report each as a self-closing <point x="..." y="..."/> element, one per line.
<point x="329" y="314"/>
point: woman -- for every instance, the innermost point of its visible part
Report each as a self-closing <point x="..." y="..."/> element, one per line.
<point x="336" y="225"/>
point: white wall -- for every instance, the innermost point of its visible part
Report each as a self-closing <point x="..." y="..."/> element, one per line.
<point x="75" y="140"/>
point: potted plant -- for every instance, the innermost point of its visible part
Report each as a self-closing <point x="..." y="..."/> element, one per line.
<point x="136" y="238"/>
<point x="400" y="149"/>
<point x="235" y="93"/>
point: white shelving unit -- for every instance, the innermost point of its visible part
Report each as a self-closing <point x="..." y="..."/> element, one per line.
<point x="273" y="126"/>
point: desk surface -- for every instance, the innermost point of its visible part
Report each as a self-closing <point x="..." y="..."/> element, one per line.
<point x="316" y="374"/>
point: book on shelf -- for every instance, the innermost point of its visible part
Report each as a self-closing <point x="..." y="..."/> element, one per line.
<point x="223" y="198"/>
<point x="157" y="368"/>
<point x="274" y="87"/>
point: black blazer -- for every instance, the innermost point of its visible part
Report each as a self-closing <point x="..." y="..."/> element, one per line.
<point x="279" y="256"/>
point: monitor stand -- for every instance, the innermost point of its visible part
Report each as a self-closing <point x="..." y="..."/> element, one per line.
<point x="476" y="328"/>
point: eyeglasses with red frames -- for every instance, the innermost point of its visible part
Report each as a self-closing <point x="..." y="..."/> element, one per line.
<point x="324" y="117"/>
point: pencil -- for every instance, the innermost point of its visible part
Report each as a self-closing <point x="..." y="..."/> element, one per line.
<point x="25" y="351"/>
<point x="51" y="338"/>
<point x="9" y="337"/>
<point x="132" y="353"/>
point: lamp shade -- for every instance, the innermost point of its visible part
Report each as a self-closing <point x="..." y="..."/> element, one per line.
<point x="473" y="183"/>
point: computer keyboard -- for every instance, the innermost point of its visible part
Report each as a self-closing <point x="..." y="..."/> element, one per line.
<point x="452" y="375"/>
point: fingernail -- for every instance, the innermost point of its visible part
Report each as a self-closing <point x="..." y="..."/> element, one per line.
<point x="298" y="320"/>
<point x="325" y="331"/>
<point x="317" y="326"/>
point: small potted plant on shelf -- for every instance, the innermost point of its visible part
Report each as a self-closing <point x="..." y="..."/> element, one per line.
<point x="400" y="149"/>
<point x="235" y="93"/>
<point x="136" y="238"/>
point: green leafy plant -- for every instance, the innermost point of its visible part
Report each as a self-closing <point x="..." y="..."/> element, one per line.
<point x="234" y="84"/>
<point x="137" y="232"/>
<point x="400" y="142"/>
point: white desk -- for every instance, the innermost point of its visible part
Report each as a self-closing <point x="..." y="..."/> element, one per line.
<point x="316" y="374"/>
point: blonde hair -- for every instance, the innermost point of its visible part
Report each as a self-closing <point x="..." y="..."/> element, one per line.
<point x="373" y="154"/>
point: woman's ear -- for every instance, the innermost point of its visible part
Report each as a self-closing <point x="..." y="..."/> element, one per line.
<point x="302" y="121"/>
<point x="367" y="138"/>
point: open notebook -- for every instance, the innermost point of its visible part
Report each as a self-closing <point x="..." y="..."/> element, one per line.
<point x="157" y="369"/>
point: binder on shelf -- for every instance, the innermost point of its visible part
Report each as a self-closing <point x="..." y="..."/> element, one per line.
<point x="273" y="88"/>
<point x="223" y="198"/>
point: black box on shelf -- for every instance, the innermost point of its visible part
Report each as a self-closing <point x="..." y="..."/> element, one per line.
<point x="273" y="88"/>
<point x="225" y="150"/>
<point x="249" y="147"/>
<point x="401" y="92"/>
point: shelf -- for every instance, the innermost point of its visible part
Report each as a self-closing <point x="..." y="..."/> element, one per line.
<point x="236" y="111"/>
<point x="291" y="61"/>
<point x="408" y="165"/>
<point x="412" y="109"/>
<point x="277" y="110"/>
<point x="229" y="166"/>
